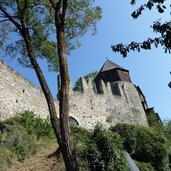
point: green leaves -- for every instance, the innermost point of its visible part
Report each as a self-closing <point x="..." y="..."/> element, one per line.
<point x="164" y="41"/>
<point x="149" y="5"/>
<point x="146" y="145"/>
<point x="37" y="17"/>
<point x="91" y="76"/>
<point x="99" y="150"/>
<point x="80" y="17"/>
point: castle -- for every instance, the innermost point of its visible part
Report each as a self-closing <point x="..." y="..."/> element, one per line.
<point x="117" y="99"/>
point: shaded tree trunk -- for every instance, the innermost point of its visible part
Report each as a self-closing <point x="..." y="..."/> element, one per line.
<point x="49" y="98"/>
<point x="61" y="129"/>
<point x="66" y="143"/>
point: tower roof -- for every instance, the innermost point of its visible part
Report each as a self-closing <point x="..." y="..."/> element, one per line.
<point x="109" y="65"/>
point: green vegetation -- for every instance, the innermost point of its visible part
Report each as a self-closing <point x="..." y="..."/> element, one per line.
<point x="100" y="149"/>
<point x="146" y="145"/>
<point x="90" y="76"/>
<point x="22" y="136"/>
<point x="144" y="166"/>
<point x="154" y="119"/>
<point x="32" y="124"/>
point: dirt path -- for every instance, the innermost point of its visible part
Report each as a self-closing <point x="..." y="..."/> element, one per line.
<point x="42" y="161"/>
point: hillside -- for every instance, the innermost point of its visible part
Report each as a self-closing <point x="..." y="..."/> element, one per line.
<point x="27" y="143"/>
<point x="42" y="161"/>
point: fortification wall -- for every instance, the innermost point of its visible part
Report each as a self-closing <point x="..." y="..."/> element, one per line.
<point x="18" y="94"/>
<point x="90" y="108"/>
<point x="119" y="105"/>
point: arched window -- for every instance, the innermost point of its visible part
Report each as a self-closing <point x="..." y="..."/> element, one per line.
<point x="73" y="121"/>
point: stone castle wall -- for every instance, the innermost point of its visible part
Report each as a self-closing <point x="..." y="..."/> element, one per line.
<point x="121" y="104"/>
<point x="18" y="94"/>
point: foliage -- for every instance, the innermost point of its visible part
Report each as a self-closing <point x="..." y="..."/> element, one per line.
<point x="37" y="18"/>
<point x="33" y="124"/>
<point x="21" y="137"/>
<point x="168" y="127"/>
<point x="21" y="143"/>
<point x="146" y="145"/>
<point x="144" y="166"/>
<point x="87" y="77"/>
<point x="154" y="120"/>
<point x="7" y="157"/>
<point x="162" y="28"/>
<point x="99" y="150"/>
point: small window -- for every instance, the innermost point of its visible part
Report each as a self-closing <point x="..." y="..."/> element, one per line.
<point x="73" y="121"/>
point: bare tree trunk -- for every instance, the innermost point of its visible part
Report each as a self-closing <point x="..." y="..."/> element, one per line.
<point x="49" y="98"/>
<point x="61" y="130"/>
<point x="66" y="143"/>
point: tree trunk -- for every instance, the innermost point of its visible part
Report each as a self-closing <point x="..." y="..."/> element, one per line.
<point x="66" y="143"/>
<point x="61" y="130"/>
<point x="49" y="98"/>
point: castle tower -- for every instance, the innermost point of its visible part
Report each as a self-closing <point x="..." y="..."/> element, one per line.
<point x="111" y="72"/>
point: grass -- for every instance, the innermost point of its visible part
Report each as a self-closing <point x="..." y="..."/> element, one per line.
<point x="22" y="136"/>
<point x="100" y="149"/>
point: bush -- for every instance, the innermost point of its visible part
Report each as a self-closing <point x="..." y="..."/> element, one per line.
<point x="99" y="150"/>
<point x="84" y="145"/>
<point x="145" y="145"/>
<point x="33" y="124"/>
<point x="144" y="166"/>
<point x="22" y="136"/>
<point x="111" y="148"/>
<point x="22" y="144"/>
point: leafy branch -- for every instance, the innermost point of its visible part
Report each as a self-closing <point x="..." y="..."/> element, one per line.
<point x="149" y="5"/>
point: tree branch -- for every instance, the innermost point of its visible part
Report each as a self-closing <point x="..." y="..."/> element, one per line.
<point x="23" y="12"/>
<point x="53" y="4"/>
<point x="149" y="5"/>
<point x="124" y="49"/>
<point x="65" y="4"/>
<point x="11" y="18"/>
<point x="2" y="15"/>
<point x="1" y="21"/>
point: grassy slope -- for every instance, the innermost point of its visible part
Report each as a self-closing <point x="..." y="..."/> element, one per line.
<point x="23" y="140"/>
<point x="42" y="161"/>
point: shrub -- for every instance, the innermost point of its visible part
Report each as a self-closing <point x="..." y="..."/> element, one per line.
<point x="111" y="148"/>
<point x="99" y="150"/>
<point x="33" y="124"/>
<point x="84" y="145"/>
<point x="144" y="166"/>
<point x="22" y="144"/>
<point x="145" y="145"/>
<point x="22" y="136"/>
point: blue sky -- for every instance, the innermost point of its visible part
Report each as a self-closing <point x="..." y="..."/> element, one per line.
<point x="148" y="69"/>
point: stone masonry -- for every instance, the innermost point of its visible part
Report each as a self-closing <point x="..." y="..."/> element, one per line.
<point x="122" y="104"/>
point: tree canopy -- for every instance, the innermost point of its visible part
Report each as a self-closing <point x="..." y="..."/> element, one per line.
<point x="37" y="17"/>
<point x="34" y="22"/>
<point x="163" y="29"/>
<point x="158" y="26"/>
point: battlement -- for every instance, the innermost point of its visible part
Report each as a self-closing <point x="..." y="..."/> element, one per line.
<point x="118" y="102"/>
<point x="87" y="87"/>
<point x="114" y="89"/>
